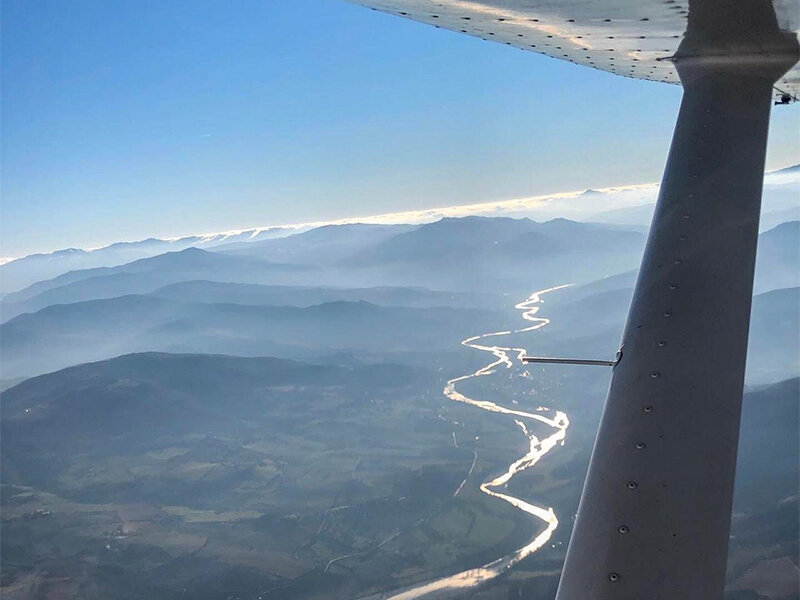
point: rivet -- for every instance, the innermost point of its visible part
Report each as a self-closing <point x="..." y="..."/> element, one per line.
<point x="672" y="286"/>
<point x="683" y="238"/>
<point x="632" y="485"/>
<point x="613" y="577"/>
<point x="667" y="313"/>
<point x="654" y="374"/>
<point x="661" y="343"/>
<point x="641" y="446"/>
<point x="648" y="409"/>
<point x="687" y="216"/>
<point x="677" y="261"/>
<point x="622" y="529"/>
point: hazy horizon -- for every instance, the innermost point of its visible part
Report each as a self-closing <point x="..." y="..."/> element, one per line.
<point x="172" y="121"/>
<point x="576" y="205"/>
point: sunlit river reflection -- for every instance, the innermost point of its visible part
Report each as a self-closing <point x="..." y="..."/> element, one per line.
<point x="505" y="357"/>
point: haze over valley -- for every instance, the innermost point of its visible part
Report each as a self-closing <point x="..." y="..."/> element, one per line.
<point x="340" y="411"/>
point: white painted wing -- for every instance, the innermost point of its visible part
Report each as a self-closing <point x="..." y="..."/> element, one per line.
<point x="632" y="38"/>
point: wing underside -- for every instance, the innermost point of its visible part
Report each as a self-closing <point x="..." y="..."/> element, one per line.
<point x="631" y="38"/>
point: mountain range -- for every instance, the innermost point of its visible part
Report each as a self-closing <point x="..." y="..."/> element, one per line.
<point x="265" y="418"/>
<point x="494" y="250"/>
<point x="363" y="289"/>
<point x="146" y="275"/>
<point x="66" y="334"/>
<point x="781" y="202"/>
<point x="24" y="271"/>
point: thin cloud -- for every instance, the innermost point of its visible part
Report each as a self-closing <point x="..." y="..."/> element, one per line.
<point x="574" y="205"/>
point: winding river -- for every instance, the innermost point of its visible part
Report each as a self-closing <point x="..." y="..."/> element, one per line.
<point x="504" y="357"/>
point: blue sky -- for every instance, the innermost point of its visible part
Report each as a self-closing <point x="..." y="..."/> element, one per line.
<point x="124" y="120"/>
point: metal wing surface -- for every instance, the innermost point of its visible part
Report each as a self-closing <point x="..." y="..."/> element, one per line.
<point x="631" y="38"/>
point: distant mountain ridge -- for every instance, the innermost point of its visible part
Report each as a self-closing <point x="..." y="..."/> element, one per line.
<point x="16" y="273"/>
<point x="321" y="245"/>
<point x="432" y="256"/>
<point x="24" y="271"/>
<point x="366" y="290"/>
<point x="462" y="256"/>
<point x="66" y="334"/>
<point x="499" y="253"/>
<point x="146" y="275"/>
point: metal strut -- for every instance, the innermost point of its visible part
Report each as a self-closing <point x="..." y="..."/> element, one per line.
<point x="654" y="515"/>
<point x="573" y="361"/>
<point x="568" y="361"/>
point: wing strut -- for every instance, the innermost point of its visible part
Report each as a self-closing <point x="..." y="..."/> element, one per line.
<point x="654" y="516"/>
<point x="569" y="361"/>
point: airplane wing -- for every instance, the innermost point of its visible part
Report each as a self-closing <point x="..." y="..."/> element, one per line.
<point x="632" y="38"/>
<point x="654" y="516"/>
